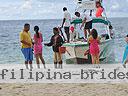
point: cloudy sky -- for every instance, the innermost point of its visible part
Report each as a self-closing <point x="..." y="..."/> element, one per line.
<point x="51" y="9"/>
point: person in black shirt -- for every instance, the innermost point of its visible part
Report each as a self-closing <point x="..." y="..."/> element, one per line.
<point x="56" y="42"/>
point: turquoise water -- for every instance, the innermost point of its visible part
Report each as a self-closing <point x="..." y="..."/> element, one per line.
<point x="10" y="46"/>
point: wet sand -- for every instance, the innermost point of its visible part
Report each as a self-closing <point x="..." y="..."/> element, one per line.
<point x="63" y="90"/>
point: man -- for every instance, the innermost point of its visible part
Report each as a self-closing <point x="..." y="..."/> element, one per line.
<point x="87" y="23"/>
<point x="77" y="26"/>
<point x="26" y="45"/>
<point x="66" y="23"/>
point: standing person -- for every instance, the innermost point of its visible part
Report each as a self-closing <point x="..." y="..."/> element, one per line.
<point x="56" y="42"/>
<point x="66" y="23"/>
<point x="38" y="47"/>
<point x="125" y="57"/>
<point x="94" y="46"/>
<point x="26" y="45"/>
<point x="99" y="9"/>
<point x="87" y="23"/>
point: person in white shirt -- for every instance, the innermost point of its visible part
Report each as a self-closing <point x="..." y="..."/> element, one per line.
<point x="87" y="23"/>
<point x="66" y="23"/>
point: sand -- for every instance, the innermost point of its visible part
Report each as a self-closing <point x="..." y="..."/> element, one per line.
<point x="63" y="90"/>
<point x="118" y="89"/>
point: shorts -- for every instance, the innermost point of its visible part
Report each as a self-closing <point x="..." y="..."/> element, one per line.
<point x="88" y="25"/>
<point x="57" y="57"/>
<point x="28" y="54"/>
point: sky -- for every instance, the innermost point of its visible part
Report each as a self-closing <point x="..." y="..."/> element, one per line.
<point x="52" y="9"/>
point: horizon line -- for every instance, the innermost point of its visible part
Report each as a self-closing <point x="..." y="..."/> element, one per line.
<point x="46" y="19"/>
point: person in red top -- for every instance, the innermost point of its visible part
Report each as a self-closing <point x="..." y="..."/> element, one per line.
<point x="94" y="48"/>
<point x="99" y="10"/>
<point x="38" y="39"/>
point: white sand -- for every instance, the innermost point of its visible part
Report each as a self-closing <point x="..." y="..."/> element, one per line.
<point x="63" y="90"/>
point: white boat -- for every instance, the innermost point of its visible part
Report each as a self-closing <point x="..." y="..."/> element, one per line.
<point x="75" y="50"/>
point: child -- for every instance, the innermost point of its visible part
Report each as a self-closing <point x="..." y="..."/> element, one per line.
<point x="72" y="33"/>
<point x="94" y="46"/>
<point x="125" y="57"/>
<point x="38" y="46"/>
<point x="26" y="45"/>
<point x="56" y="42"/>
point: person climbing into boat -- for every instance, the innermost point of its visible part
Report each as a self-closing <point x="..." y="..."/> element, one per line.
<point x="66" y="23"/>
<point x="87" y="23"/>
<point x="38" y="47"/>
<point x="125" y="57"/>
<point x="26" y="45"/>
<point x="94" y="49"/>
<point x="56" y="42"/>
<point x="99" y="9"/>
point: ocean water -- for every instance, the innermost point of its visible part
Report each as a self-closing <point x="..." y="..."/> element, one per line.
<point x="10" y="51"/>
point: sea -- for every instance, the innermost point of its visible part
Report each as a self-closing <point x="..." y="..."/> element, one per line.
<point x="10" y="51"/>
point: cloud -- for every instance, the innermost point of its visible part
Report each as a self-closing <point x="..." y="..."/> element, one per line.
<point x="52" y="9"/>
<point x="27" y="4"/>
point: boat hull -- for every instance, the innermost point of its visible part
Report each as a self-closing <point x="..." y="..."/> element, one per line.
<point x="75" y="52"/>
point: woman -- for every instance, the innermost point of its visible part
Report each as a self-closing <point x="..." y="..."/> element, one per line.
<point x="99" y="10"/>
<point x="38" y="46"/>
<point x="125" y="57"/>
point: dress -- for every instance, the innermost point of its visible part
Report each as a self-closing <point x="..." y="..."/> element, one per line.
<point x="38" y="44"/>
<point x="94" y="46"/>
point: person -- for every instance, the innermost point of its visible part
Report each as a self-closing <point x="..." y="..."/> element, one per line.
<point x="26" y="45"/>
<point x="66" y="23"/>
<point x="72" y="33"/>
<point x="38" y="47"/>
<point x="125" y="57"/>
<point x="77" y="26"/>
<point x="94" y="49"/>
<point x="56" y="42"/>
<point x="111" y="31"/>
<point x="87" y="23"/>
<point x="99" y="10"/>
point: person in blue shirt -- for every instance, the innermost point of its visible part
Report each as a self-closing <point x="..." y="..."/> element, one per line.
<point x="125" y="57"/>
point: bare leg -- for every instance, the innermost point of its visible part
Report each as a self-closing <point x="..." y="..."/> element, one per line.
<point x="85" y="33"/>
<point x="55" y="65"/>
<point x="60" y="64"/>
<point x="42" y="60"/>
<point x="30" y="63"/>
<point x="26" y="64"/>
<point x="126" y="62"/>
<point x="67" y="33"/>
<point x="93" y="59"/>
<point x="97" y="59"/>
<point x="89" y="31"/>
<point x="37" y="60"/>
<point x="55" y="60"/>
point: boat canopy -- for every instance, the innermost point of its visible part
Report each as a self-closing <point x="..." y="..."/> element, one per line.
<point x="95" y="20"/>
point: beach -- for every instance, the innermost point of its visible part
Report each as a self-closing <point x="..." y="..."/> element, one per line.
<point x="63" y="90"/>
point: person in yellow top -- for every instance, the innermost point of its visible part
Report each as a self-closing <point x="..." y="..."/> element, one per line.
<point x="26" y="45"/>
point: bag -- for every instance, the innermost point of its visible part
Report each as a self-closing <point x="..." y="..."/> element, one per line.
<point x="62" y="50"/>
<point x="86" y="52"/>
